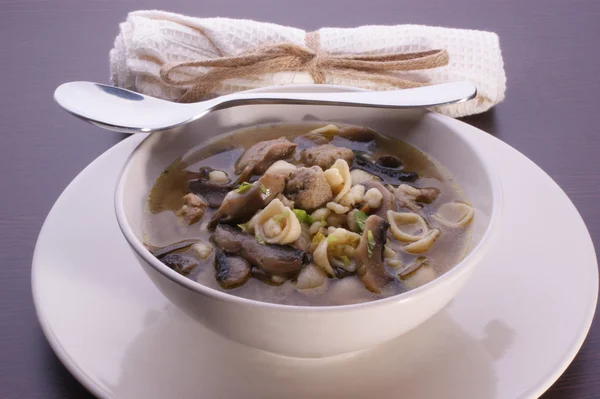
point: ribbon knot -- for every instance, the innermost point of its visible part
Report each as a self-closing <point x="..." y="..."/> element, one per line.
<point x="287" y="57"/>
<point x="313" y="43"/>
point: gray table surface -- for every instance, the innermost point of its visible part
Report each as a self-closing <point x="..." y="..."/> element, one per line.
<point x="550" y="114"/>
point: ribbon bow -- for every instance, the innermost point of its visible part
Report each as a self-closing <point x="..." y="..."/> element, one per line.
<point x="288" y="57"/>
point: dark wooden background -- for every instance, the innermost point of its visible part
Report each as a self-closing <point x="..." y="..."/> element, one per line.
<point x="550" y="114"/>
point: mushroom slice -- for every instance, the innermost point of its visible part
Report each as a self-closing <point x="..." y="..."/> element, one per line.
<point x="369" y="255"/>
<point x="389" y="161"/>
<point x="454" y="214"/>
<point x="362" y="160"/>
<point x="241" y="204"/>
<point x="407" y="227"/>
<point x="178" y="263"/>
<point x="212" y="192"/>
<point x="276" y="224"/>
<point x="337" y="250"/>
<point x="267" y="278"/>
<point x="357" y="133"/>
<point x="424" y="244"/>
<point x="339" y="179"/>
<point x="162" y="251"/>
<point x="232" y="271"/>
<point x="279" y="260"/>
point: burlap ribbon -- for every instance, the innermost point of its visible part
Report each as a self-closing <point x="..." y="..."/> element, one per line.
<point x="286" y="57"/>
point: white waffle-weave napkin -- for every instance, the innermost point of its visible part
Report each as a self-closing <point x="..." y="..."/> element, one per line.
<point x="149" y="39"/>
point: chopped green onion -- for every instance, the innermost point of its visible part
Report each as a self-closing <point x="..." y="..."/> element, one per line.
<point x="260" y="239"/>
<point x="359" y="218"/>
<point x="303" y="217"/>
<point x="370" y="243"/>
<point x="331" y="239"/>
<point x="243" y="226"/>
<point x="345" y="259"/>
<point x="317" y="238"/>
<point x="263" y="189"/>
<point x="323" y="223"/>
<point x="245" y="186"/>
<point x="279" y="218"/>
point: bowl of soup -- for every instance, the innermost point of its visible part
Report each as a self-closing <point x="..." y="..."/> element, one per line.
<point x="310" y="231"/>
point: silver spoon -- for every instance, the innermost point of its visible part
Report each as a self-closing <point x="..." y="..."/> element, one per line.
<point x="125" y="111"/>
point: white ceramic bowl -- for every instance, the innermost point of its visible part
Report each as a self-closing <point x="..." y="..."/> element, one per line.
<point x="301" y="330"/>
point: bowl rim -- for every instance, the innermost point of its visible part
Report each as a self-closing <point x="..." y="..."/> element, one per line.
<point x="454" y="273"/>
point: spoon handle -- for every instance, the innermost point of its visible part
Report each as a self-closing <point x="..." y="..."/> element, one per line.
<point x="426" y="96"/>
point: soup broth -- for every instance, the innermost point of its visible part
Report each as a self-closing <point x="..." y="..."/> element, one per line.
<point x="307" y="214"/>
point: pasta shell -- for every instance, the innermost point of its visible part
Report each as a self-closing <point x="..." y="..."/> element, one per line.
<point x="277" y="224"/>
<point x="218" y="177"/>
<point x="311" y="276"/>
<point x="336" y="251"/>
<point x="413" y="267"/>
<point x="336" y="220"/>
<point x="359" y="176"/>
<point x="406" y="195"/>
<point x="423" y="245"/>
<point x="421" y="272"/>
<point x="321" y="214"/>
<point x="281" y="168"/>
<point x="454" y="214"/>
<point x="413" y="198"/>
<point x="337" y="208"/>
<point x="401" y="225"/>
<point x="389" y="253"/>
<point x="354" y="196"/>
<point x="328" y="129"/>
<point x="339" y="179"/>
<point x="373" y="198"/>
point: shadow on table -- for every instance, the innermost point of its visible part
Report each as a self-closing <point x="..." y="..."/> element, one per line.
<point x="485" y="121"/>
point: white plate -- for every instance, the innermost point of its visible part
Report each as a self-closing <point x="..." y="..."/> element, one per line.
<point x="510" y="332"/>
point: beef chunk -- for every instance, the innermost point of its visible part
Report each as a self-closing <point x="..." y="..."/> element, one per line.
<point x="257" y="159"/>
<point x="193" y="208"/>
<point x="308" y="188"/>
<point x="325" y="155"/>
